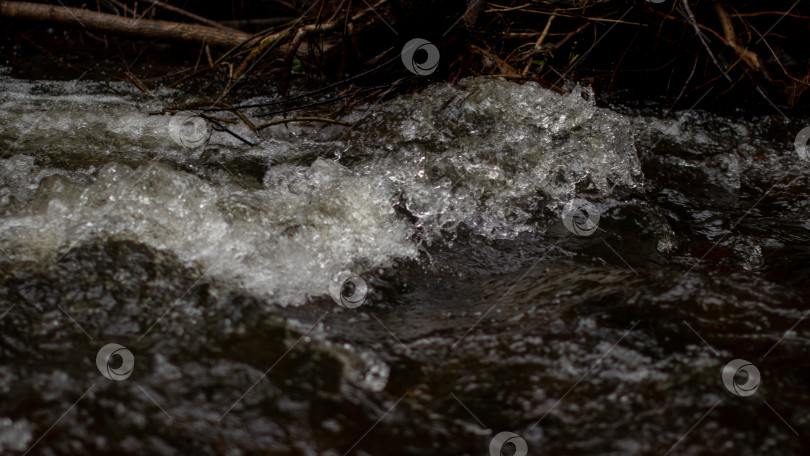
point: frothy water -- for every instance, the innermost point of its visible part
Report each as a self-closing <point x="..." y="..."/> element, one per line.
<point x="490" y="154"/>
<point x="489" y="312"/>
<point x="487" y="155"/>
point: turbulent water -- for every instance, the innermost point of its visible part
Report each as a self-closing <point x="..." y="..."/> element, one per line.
<point x="535" y="264"/>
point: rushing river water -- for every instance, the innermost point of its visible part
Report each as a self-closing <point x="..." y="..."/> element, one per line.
<point x="581" y="277"/>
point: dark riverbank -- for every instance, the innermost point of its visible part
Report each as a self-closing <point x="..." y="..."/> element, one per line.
<point x="744" y="56"/>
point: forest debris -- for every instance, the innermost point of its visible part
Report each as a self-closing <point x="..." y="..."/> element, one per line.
<point x="190" y="15"/>
<point x="750" y="58"/>
<point x="303" y="119"/>
<point x="538" y="45"/>
<point x="503" y="66"/>
<point x="327" y="40"/>
<point x="693" y="21"/>
<point x="103" y="22"/>
<point x="474" y="8"/>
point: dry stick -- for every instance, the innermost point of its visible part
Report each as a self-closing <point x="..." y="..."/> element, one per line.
<point x="731" y="87"/>
<point x="165" y="111"/>
<point x="310" y="105"/>
<point x="683" y="89"/>
<point x="265" y="43"/>
<point x="303" y="119"/>
<point x="262" y="22"/>
<point x="474" y="8"/>
<point x="291" y="49"/>
<point x="560" y="44"/>
<point x="750" y="58"/>
<point x="502" y="64"/>
<point x="122" y="6"/>
<point x="346" y="104"/>
<point x="237" y="49"/>
<point x="137" y="82"/>
<point x="368" y="10"/>
<point x="539" y="42"/>
<point x="560" y="13"/>
<point x="766" y="13"/>
<point x="694" y="23"/>
<point x="701" y="26"/>
<point x="271" y="39"/>
<point x="805" y="82"/>
<point x="193" y="72"/>
<point x="190" y="15"/>
<point x="567" y="37"/>
<point x="226" y="130"/>
<point x="337" y="11"/>
<point x="228" y="106"/>
<point x="111" y="23"/>
<point x="307" y="94"/>
<point x="220" y="60"/>
<point x="352" y="33"/>
<point x="208" y="54"/>
<point x="212" y="63"/>
<point x="302" y="33"/>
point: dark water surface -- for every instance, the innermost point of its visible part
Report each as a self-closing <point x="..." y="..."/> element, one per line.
<point x="211" y="264"/>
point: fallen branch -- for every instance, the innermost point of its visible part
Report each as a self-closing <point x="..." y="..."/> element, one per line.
<point x="302" y="119"/>
<point x="111" y="23"/>
<point x="289" y="50"/>
<point x="750" y="58"/>
<point x="264" y="45"/>
<point x="503" y="66"/>
<point x="538" y="45"/>
<point x="190" y="15"/>
<point x="694" y="23"/>
<point x="474" y="8"/>
<point x="297" y="40"/>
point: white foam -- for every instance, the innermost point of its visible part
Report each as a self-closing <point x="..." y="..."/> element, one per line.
<point x="485" y="154"/>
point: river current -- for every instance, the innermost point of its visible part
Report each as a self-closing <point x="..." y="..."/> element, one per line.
<point x="471" y="260"/>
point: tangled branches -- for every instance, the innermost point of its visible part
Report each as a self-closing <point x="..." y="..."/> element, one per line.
<point x="673" y="49"/>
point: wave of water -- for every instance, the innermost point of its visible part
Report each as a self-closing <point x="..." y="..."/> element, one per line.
<point x="487" y="155"/>
<point x="485" y="314"/>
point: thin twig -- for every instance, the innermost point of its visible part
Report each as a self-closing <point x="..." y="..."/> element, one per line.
<point x="694" y="23"/>
<point x="303" y="119"/>
<point x="226" y="130"/>
<point x="190" y="15"/>
<point x="538" y="45"/>
<point x="749" y="57"/>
